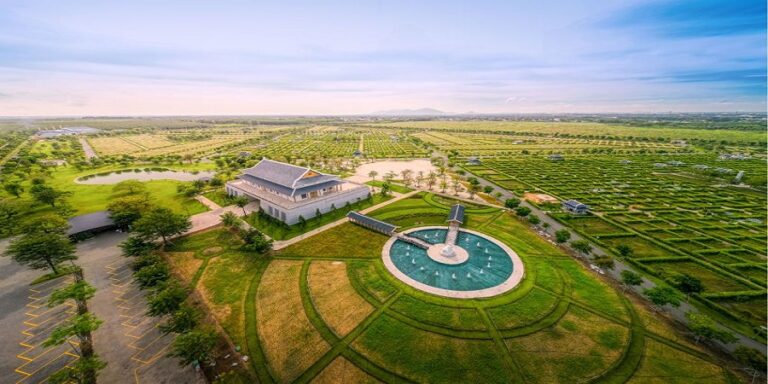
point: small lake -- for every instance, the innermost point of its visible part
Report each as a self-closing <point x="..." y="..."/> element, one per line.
<point x="143" y="175"/>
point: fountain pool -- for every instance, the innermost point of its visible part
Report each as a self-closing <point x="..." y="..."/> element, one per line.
<point x="490" y="268"/>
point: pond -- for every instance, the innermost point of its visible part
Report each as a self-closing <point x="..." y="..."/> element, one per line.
<point x="489" y="269"/>
<point x="146" y="174"/>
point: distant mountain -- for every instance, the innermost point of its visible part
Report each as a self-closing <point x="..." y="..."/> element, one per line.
<point x="410" y="112"/>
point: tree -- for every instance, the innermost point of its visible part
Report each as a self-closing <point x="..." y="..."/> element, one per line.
<point x="661" y="296"/>
<point x="166" y="300"/>
<point x="385" y="188"/>
<point x="82" y="325"/>
<point x="78" y="372"/>
<point x="152" y="275"/>
<point x="522" y="211"/>
<point x="161" y="222"/>
<point x="136" y="246"/>
<point x="129" y="187"/>
<point x="473" y="189"/>
<point x="9" y="217"/>
<point x="562" y="236"/>
<point x="14" y="188"/>
<point x="193" y="347"/>
<point x="512" y="203"/>
<point x="182" y="320"/>
<point x="625" y="250"/>
<point x="126" y="210"/>
<point x="255" y="241"/>
<point x="704" y="327"/>
<point x="751" y="358"/>
<point x="581" y="246"/>
<point x="533" y="219"/>
<point x="230" y="220"/>
<point x="687" y="284"/>
<point x="488" y="189"/>
<point x="241" y="201"/>
<point x="630" y="278"/>
<point x="302" y="222"/>
<point x="47" y="195"/>
<point x="604" y="262"/>
<point x="372" y="175"/>
<point x="40" y="250"/>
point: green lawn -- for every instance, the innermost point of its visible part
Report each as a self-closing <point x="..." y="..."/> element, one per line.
<point x="87" y="198"/>
<point x="561" y="324"/>
<point x="392" y="187"/>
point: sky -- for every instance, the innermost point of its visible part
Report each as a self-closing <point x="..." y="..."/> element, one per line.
<point x="86" y="58"/>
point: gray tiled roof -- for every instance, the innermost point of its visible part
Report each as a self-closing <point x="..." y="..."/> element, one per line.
<point x="457" y="213"/>
<point x="89" y="222"/>
<point x="287" y="178"/>
<point x="371" y="223"/>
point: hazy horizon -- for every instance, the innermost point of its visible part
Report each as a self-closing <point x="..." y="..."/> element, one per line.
<point x="83" y="58"/>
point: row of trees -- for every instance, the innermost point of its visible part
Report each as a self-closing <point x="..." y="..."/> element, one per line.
<point x="701" y="326"/>
<point x="45" y="245"/>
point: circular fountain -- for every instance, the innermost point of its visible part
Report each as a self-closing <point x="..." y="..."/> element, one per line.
<point x="468" y="265"/>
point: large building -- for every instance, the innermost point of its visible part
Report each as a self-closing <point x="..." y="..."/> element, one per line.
<point x="286" y="191"/>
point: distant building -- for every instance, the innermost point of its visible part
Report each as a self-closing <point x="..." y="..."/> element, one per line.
<point x="556" y="157"/>
<point x="473" y="160"/>
<point x="244" y="154"/>
<point x="723" y="170"/>
<point x="659" y="165"/>
<point x="680" y="143"/>
<point x="675" y="163"/>
<point x="625" y="161"/>
<point x="286" y="191"/>
<point x="738" y="177"/>
<point x="357" y="153"/>
<point x="51" y="133"/>
<point x="701" y="166"/>
<point x="574" y="206"/>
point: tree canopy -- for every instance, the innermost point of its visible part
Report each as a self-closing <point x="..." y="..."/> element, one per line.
<point x="161" y="222"/>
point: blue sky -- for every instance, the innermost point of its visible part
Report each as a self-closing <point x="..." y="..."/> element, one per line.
<point x="344" y="57"/>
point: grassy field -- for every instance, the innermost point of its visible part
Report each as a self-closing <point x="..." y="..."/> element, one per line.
<point x="326" y="306"/>
<point x="87" y="198"/>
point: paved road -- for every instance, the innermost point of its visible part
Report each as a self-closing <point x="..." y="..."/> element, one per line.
<point x="89" y="152"/>
<point x="14" y="297"/>
<point x="676" y="313"/>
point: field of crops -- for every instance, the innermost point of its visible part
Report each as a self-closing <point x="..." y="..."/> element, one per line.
<point x="480" y="144"/>
<point x="757" y="138"/>
<point x="330" y="142"/>
<point x="186" y="142"/>
<point x="671" y="211"/>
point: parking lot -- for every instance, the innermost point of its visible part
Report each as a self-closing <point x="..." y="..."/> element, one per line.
<point x="128" y="340"/>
